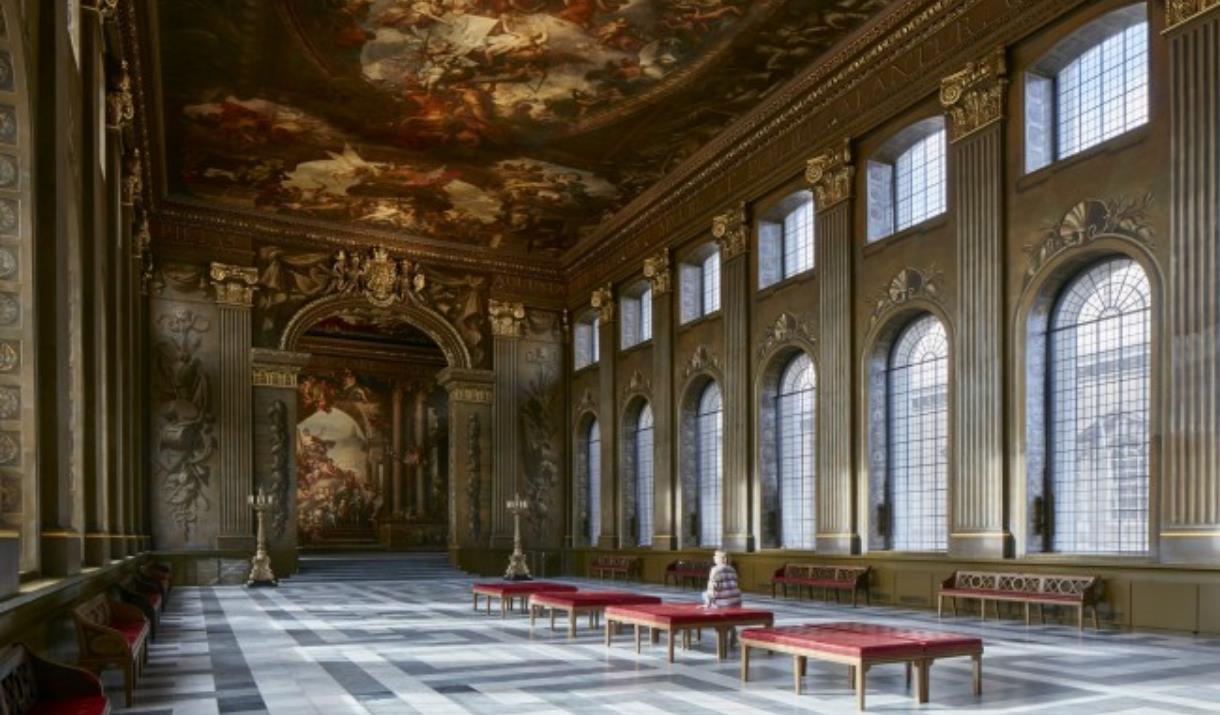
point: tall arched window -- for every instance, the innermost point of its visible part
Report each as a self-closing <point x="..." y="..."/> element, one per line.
<point x="642" y="447"/>
<point x="918" y="441"/>
<point x="709" y="464"/>
<point x="1099" y="352"/>
<point x="795" y="434"/>
<point x="593" y="468"/>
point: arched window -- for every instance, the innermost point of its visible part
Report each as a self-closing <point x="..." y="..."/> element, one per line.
<point x="1090" y="87"/>
<point x="593" y="468"/>
<point x="1099" y="350"/>
<point x="795" y="434"/>
<point x="906" y="179"/>
<point x="709" y="465"/>
<point x="642" y="451"/>
<point x="785" y="239"/>
<point x="917" y="390"/>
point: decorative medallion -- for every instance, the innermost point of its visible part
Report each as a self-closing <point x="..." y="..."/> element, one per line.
<point x="1089" y="220"/>
<point x="638" y="384"/>
<point x="701" y="360"/>
<point x="234" y="285"/>
<point x="8" y="263"/>
<point x="382" y="279"/>
<point x="974" y="97"/>
<point x="8" y="216"/>
<point x="10" y="309"/>
<point x="729" y="229"/>
<point x="602" y="301"/>
<point x="10" y="402"/>
<point x="10" y="355"/>
<point x="909" y="284"/>
<point x="10" y="448"/>
<point x="507" y="319"/>
<point x="1178" y="12"/>
<point x="8" y="171"/>
<point x="8" y="124"/>
<point x="656" y="270"/>
<point x="830" y="176"/>
<point x="587" y="403"/>
<point x="786" y="328"/>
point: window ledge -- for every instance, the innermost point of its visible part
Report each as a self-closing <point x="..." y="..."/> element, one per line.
<point x="918" y="229"/>
<point x="1112" y="145"/>
<point x="709" y="317"/>
<point x="795" y="279"/>
<point x="38" y="587"/>
<point x="586" y="368"/>
<point x="636" y="347"/>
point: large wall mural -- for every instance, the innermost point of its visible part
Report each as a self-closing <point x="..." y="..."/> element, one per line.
<point x="513" y="125"/>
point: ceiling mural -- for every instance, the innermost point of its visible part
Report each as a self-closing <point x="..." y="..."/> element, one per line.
<point x="515" y="125"/>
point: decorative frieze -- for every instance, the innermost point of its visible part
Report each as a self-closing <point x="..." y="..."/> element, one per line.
<point x="120" y="104"/>
<point x="637" y="384"/>
<point x="701" y="360"/>
<point x="974" y="96"/>
<point x="276" y="368"/>
<point x="1123" y="218"/>
<point x="658" y="273"/>
<point x="786" y="328"/>
<point x="730" y="229"/>
<point x="830" y="176"/>
<point x="588" y="403"/>
<point x="909" y="284"/>
<point x="602" y="301"/>
<point x="234" y="285"/>
<point x="1178" y="12"/>
<point x="507" y="319"/>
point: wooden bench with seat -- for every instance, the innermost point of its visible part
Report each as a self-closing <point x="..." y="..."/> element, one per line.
<point x="146" y="596"/>
<point x="1076" y="591"/>
<point x="510" y="591"/>
<point x="686" y="571"/>
<point x="30" y="685"/>
<point x="161" y="575"/>
<point x="683" y="619"/>
<point x="612" y="566"/>
<point x="826" y="577"/>
<point x="112" y="633"/>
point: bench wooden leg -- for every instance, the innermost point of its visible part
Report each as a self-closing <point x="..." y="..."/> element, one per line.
<point x="1096" y="624"/>
<point x="129" y="680"/>
<point x="637" y="637"/>
<point x="671" y="645"/>
<point x="921" y="680"/>
<point x="572" y="623"/>
<point x="953" y="603"/>
<point x="609" y="629"/>
<point x="552" y="610"/>
<point x="978" y="674"/>
<point x="861" y="677"/>
<point x="1042" y="614"/>
<point x="745" y="663"/>
<point x="476" y="602"/>
<point x="908" y="675"/>
<point x="940" y="606"/>
<point x="654" y="636"/>
<point x="719" y="644"/>
<point x="533" y="615"/>
<point x="1027" y="613"/>
<point x="796" y="673"/>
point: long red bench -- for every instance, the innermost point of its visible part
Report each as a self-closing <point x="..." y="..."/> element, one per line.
<point x="612" y="566"/>
<point x="30" y="685"/>
<point x="828" y="578"/>
<point x="683" y="618"/>
<point x="1074" y="591"/>
<point x="861" y="646"/>
<point x="112" y="633"/>
<point x="510" y="591"/>
<point x="575" y="604"/>
<point x="685" y="571"/>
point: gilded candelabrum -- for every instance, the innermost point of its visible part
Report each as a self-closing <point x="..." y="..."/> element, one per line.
<point x="517" y="568"/>
<point x="260" y="565"/>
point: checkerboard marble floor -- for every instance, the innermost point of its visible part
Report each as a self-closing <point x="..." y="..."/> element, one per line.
<point x="413" y="645"/>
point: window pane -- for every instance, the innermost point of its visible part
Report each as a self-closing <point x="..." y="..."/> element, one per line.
<point x="646" y="314"/>
<point x="595" y="348"/>
<point x="795" y="412"/>
<point x="593" y="467"/>
<point x="711" y="283"/>
<point x="1098" y="433"/>
<point x="643" y="476"/>
<point x="709" y="463"/>
<point x="798" y="239"/>
<point x="918" y="391"/>
<point x="919" y="181"/>
<point x="1104" y="91"/>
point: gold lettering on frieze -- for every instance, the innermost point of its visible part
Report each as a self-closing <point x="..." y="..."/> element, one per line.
<point x="974" y="96"/>
<point x="602" y="301"/>
<point x="234" y="285"/>
<point x="729" y="228"/>
<point x="830" y="176"/>
<point x="507" y="319"/>
<point x="1178" y="12"/>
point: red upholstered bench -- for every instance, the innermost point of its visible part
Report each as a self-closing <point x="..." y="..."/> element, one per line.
<point x="861" y="646"/>
<point x="1075" y="591"/>
<point x="112" y="633"/>
<point x="509" y="591"/>
<point x="827" y="578"/>
<point x="146" y="596"/>
<point x="161" y="575"/>
<point x="683" y="618"/>
<point x="574" y="604"/>
<point x="684" y="572"/>
<point x="30" y="685"/>
<point x="606" y="565"/>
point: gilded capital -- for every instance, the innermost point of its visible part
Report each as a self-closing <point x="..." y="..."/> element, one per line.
<point x="729" y="230"/>
<point x="1178" y="12"/>
<point x="507" y="319"/>
<point x="120" y="105"/>
<point x="234" y="285"/>
<point x="656" y="270"/>
<point x="830" y="176"/>
<point x="602" y="300"/>
<point x="974" y="97"/>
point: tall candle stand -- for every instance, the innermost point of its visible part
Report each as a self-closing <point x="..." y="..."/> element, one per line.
<point x="260" y="565"/>
<point x="517" y="568"/>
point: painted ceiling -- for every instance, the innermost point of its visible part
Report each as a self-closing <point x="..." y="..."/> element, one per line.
<point x="513" y="125"/>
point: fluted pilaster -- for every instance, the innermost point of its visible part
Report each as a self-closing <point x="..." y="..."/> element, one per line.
<point x="603" y="301"/>
<point x="234" y="287"/>
<point x="730" y="229"/>
<point x="508" y="325"/>
<point x="659" y="273"/>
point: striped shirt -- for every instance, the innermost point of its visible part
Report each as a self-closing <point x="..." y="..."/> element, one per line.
<point x="722" y="589"/>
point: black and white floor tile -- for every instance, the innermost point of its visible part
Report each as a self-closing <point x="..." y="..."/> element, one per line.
<point x="391" y="636"/>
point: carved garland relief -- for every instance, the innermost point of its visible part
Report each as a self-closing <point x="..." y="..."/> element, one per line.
<point x="277" y="419"/>
<point x="909" y="284"/>
<point x="1091" y="219"/>
<point x="786" y="328"/>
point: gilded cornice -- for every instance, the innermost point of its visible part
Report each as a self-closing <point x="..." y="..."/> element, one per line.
<point x="507" y="319"/>
<point x="1179" y="12"/>
<point x="656" y="270"/>
<point x="602" y="301"/>
<point x="830" y="176"/>
<point x="234" y="285"/>
<point x="276" y="368"/>
<point x="974" y="96"/>
<point x="730" y="228"/>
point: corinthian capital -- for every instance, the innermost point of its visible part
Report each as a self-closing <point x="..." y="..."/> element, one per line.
<point x="830" y="176"/>
<point x="729" y="228"/>
<point x="656" y="270"/>
<point x="507" y="319"/>
<point x="974" y="97"/>
<point x="602" y="300"/>
<point x="1178" y="12"/>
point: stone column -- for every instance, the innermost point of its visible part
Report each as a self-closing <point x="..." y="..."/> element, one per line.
<point x="1190" y="483"/>
<point x="234" y="286"/>
<point x="397" y="508"/>
<point x="507" y="327"/>
<point x="470" y="444"/>
<point x="731" y="231"/>
<point x="603" y="301"/>
<point x="974" y="101"/>
<point x="831" y="176"/>
<point x="658" y="272"/>
<point x="274" y="382"/>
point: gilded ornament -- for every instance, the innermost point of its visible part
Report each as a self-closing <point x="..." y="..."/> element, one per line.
<point x="470" y="393"/>
<point x="830" y="176"/>
<point x="1121" y="218"/>
<point x="507" y="319"/>
<point x="10" y="355"/>
<point x="8" y="264"/>
<point x="10" y="402"/>
<point x="10" y="448"/>
<point x="8" y="172"/>
<point x="379" y="277"/>
<point x="10" y="309"/>
<point x="638" y="384"/>
<point x="132" y="183"/>
<point x="587" y="404"/>
<point x="8" y="216"/>
<point x="701" y="360"/>
<point x="234" y="285"/>
<point x="787" y="328"/>
<point x="974" y="97"/>
<point x="907" y="285"/>
<point x="729" y="230"/>
<point x="1178" y="12"/>
<point x="602" y="301"/>
<point x="656" y="270"/>
<point x="120" y="104"/>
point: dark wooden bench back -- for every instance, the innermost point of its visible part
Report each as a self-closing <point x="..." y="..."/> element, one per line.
<point x="18" y="682"/>
<point x="96" y="610"/>
<point x="1028" y="583"/>
<point x="822" y="572"/>
<point x="687" y="565"/>
<point x="608" y="561"/>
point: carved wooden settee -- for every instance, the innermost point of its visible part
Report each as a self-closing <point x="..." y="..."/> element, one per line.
<point x="825" y="577"/>
<point x="146" y="596"/>
<point x="686" y="571"/>
<point x="607" y="565"/>
<point x="30" y="685"/>
<point x="161" y="575"/>
<point x="1075" y="591"/>
<point x="112" y="633"/>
